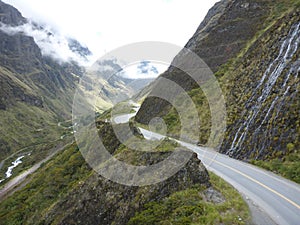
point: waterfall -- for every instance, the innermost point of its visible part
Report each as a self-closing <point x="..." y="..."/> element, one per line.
<point x="274" y="70"/>
<point x="268" y="113"/>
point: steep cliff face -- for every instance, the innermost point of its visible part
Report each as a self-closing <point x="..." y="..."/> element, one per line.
<point x="257" y="65"/>
<point x="105" y="202"/>
<point x="66" y="191"/>
<point x="226" y="29"/>
<point x="224" y="32"/>
<point x="263" y="95"/>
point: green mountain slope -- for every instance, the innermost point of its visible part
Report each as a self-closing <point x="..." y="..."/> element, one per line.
<point x="238" y="40"/>
<point x="259" y="77"/>
<point x="104" y="84"/>
<point x="36" y="91"/>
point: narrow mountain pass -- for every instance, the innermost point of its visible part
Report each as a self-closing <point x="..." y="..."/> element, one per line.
<point x="278" y="197"/>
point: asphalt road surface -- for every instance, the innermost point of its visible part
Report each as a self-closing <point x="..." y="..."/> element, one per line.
<point x="279" y="198"/>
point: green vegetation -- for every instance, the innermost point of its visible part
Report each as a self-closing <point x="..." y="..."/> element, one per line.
<point x="37" y="153"/>
<point x="284" y="6"/>
<point x="278" y="138"/>
<point x="191" y="207"/>
<point x="33" y="154"/>
<point x="36" y="93"/>
<point x="122" y="108"/>
<point x="173" y="120"/>
<point x="67" y="175"/>
<point x="23" y="126"/>
<point x="236" y="81"/>
<point x="156" y="150"/>
<point x="288" y="166"/>
<point x="50" y="184"/>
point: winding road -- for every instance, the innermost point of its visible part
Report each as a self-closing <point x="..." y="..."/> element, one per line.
<point x="277" y="197"/>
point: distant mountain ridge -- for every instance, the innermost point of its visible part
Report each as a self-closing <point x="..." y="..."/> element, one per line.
<point x="105" y="80"/>
<point x="39" y="73"/>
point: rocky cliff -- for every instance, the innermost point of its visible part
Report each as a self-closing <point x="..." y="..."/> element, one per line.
<point x="70" y="192"/>
<point x="106" y="202"/>
<point x="264" y="120"/>
<point x="67" y="191"/>
<point x="225" y="31"/>
<point x="253" y="49"/>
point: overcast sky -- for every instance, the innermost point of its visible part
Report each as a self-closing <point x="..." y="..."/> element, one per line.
<point x="105" y="25"/>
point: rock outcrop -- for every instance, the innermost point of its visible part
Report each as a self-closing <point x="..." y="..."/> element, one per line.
<point x="98" y="200"/>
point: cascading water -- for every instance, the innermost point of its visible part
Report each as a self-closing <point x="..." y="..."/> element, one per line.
<point x="274" y="70"/>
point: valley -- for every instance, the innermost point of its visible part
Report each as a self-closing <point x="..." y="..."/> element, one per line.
<point x="212" y="138"/>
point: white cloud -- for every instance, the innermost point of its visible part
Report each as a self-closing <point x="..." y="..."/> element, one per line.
<point x="138" y="70"/>
<point x="151" y="70"/>
<point x="106" y="25"/>
<point x="51" y="43"/>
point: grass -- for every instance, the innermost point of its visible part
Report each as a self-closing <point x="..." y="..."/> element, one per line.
<point x="57" y="178"/>
<point x="288" y="166"/>
<point x="173" y="120"/>
<point x="33" y="154"/>
<point x="52" y="182"/>
<point x="158" y="150"/>
<point x="190" y="207"/>
<point x="22" y="126"/>
<point x="28" y="130"/>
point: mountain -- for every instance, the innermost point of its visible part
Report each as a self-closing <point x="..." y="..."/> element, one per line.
<point x="10" y="15"/>
<point x="225" y="31"/>
<point x="39" y="86"/>
<point x="38" y="82"/>
<point x="268" y="123"/>
<point x="67" y="191"/>
<point x="77" y="48"/>
<point x="36" y="90"/>
<point x="252" y="48"/>
<point x="106" y="80"/>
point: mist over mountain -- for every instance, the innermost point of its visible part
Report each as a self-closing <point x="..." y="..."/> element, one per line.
<point x="251" y="47"/>
<point x="52" y="44"/>
<point x="42" y="68"/>
<point x="115" y="84"/>
<point x="37" y="82"/>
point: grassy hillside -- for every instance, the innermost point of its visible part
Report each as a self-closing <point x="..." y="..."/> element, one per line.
<point x="65" y="190"/>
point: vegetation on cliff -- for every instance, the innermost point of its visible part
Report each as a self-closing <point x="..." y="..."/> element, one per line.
<point x="65" y="190"/>
<point x="273" y="133"/>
